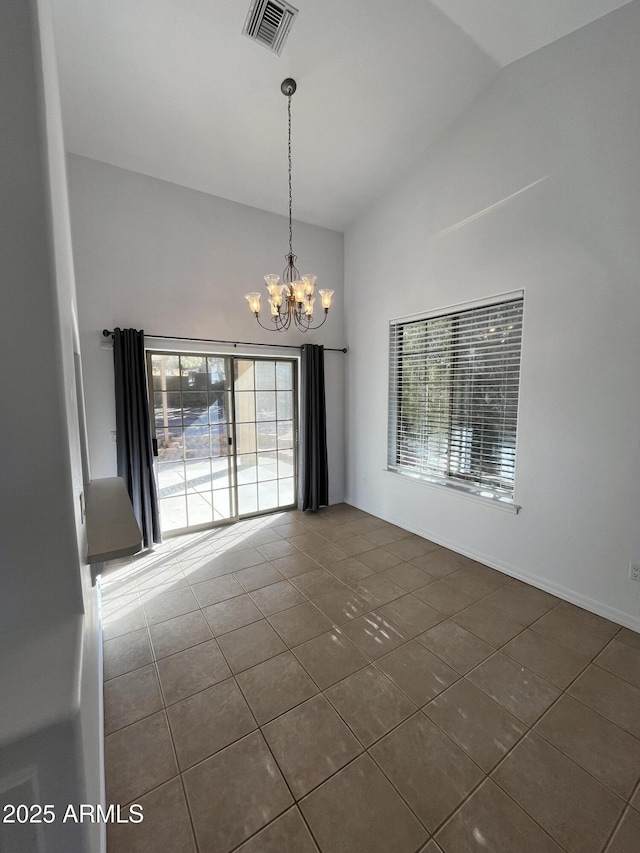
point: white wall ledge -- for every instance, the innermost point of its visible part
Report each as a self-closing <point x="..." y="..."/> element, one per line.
<point x="112" y="529"/>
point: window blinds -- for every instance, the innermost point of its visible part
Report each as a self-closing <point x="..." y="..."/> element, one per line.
<point x="453" y="395"/>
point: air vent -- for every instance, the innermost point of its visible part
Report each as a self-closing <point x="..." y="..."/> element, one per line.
<point x="269" y="22"/>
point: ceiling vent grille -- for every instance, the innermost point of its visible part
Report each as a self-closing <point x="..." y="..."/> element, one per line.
<point x="268" y="22"/>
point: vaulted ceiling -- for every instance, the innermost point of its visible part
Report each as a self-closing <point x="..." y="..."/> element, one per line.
<point x="172" y="89"/>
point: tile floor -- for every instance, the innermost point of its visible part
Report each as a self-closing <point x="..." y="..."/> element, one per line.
<point x="329" y="682"/>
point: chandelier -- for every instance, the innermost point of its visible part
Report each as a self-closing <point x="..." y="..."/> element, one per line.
<point x="292" y="299"/>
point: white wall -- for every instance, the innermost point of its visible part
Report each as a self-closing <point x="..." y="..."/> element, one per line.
<point x="155" y="256"/>
<point x="46" y="590"/>
<point x="535" y="186"/>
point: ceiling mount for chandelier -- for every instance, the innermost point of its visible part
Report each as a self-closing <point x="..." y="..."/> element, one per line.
<point x="292" y="299"/>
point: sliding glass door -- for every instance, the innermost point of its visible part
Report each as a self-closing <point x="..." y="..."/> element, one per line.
<point x="224" y="431"/>
<point x="266" y="435"/>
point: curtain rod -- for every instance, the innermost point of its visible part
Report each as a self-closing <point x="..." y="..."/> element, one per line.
<point x="108" y="334"/>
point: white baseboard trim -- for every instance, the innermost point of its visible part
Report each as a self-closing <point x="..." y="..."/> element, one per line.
<point x="570" y="595"/>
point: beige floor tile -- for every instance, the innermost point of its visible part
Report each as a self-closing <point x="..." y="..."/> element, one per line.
<point x="131" y="697"/>
<point x="242" y="559"/>
<point x="379" y="559"/>
<point x="576" y="629"/>
<point x="276" y="597"/>
<point x="370" y="704"/>
<point x="362" y="525"/>
<point x="374" y="634"/>
<point x="407" y="576"/>
<point x="433" y="775"/>
<point x="287" y="834"/>
<point x="341" y="605"/>
<point x="329" y="658"/>
<point x="615" y="699"/>
<point x="274" y="550"/>
<point x="385" y="534"/>
<point x="411" y="615"/>
<point x="165" y="825"/>
<point x="165" y="581"/>
<point x="138" y="758"/>
<point x="622" y="660"/>
<point x="575" y="809"/>
<point x="295" y="564"/>
<point x="350" y="570"/>
<point x="216" y="589"/>
<point x="489" y="624"/>
<point x="212" y="567"/>
<point x="326" y="553"/>
<point x="275" y="686"/>
<point x="310" y="743"/>
<point x="377" y="590"/>
<point x="471" y="581"/>
<point x="523" y="603"/>
<point x="417" y="672"/>
<point x="629" y="638"/>
<point x="288" y="529"/>
<point x="234" y="794"/>
<point x="523" y="693"/>
<point x="489" y="820"/>
<point x="445" y="598"/>
<point x="596" y="744"/>
<point x="123" y="654"/>
<point x="352" y="544"/>
<point x="255" y="577"/>
<point x="262" y="536"/>
<point x="358" y="811"/>
<point x="438" y="562"/>
<point x="456" y="646"/>
<point x="317" y="582"/>
<point x="208" y="721"/>
<point x="179" y="633"/>
<point x="123" y="617"/>
<point x="192" y="670"/>
<point x="165" y="605"/>
<point x="557" y="664"/>
<point x="307" y="539"/>
<point x="625" y="838"/>
<point x="410" y="547"/>
<point x="249" y="646"/>
<point x="431" y="847"/>
<point x="301" y="623"/>
<point x="231" y="614"/>
<point x="481" y="727"/>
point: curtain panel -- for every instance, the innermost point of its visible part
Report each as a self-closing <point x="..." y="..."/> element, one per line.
<point x="314" y="469"/>
<point x="133" y="431"/>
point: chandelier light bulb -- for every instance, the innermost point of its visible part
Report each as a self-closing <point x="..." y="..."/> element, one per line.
<point x="254" y="301"/>
<point x="325" y="296"/>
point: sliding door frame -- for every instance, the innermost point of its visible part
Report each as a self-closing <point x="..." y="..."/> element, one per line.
<point x="231" y="360"/>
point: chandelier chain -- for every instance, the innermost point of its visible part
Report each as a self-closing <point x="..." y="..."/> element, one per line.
<point x="290" y="190"/>
<point x="292" y="301"/>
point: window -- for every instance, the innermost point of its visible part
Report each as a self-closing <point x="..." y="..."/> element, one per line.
<point x="453" y="395"/>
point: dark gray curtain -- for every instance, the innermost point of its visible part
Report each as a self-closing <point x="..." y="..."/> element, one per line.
<point x="133" y="431"/>
<point x="314" y="486"/>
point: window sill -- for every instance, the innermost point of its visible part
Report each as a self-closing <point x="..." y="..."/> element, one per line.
<point x="468" y="492"/>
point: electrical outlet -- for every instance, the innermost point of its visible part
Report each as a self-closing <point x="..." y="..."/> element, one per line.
<point x="634" y="571"/>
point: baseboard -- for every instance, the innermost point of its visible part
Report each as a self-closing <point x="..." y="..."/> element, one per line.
<point x="566" y="594"/>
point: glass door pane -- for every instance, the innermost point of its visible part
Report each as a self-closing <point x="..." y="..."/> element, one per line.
<point x="192" y="419"/>
<point x="265" y="417"/>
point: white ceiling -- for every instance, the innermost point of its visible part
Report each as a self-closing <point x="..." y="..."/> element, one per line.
<point x="171" y="89"/>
